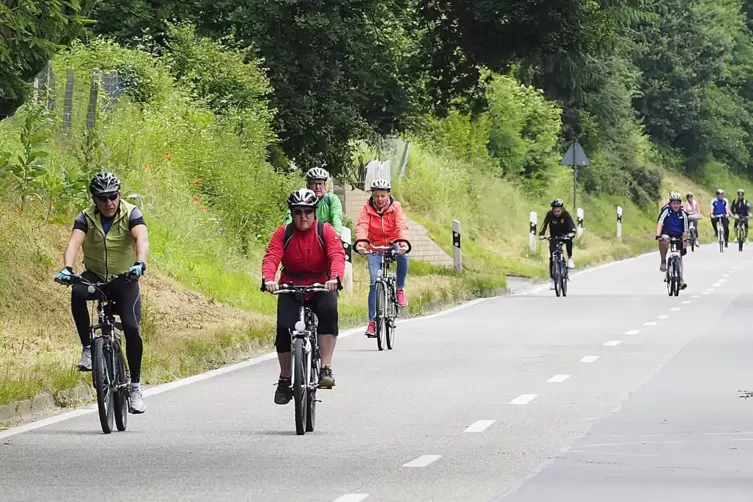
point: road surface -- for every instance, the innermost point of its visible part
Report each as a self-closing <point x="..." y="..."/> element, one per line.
<point x="617" y="392"/>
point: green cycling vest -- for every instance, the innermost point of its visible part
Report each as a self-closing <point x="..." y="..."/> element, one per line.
<point x="112" y="253"/>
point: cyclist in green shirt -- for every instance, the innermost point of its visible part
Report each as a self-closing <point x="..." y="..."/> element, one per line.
<point x="329" y="209"/>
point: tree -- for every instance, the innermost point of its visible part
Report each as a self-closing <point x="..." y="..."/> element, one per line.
<point x="32" y="31"/>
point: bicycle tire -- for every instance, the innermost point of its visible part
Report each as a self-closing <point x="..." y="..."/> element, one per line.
<point x="380" y="318"/>
<point x="389" y="325"/>
<point x="677" y="279"/>
<point x="740" y="238"/>
<point x="556" y="274"/>
<point x="563" y="277"/>
<point x="720" y="233"/>
<point x="311" y="396"/>
<point x="692" y="240"/>
<point x="300" y="387"/>
<point x="121" y="393"/>
<point x="101" y="377"/>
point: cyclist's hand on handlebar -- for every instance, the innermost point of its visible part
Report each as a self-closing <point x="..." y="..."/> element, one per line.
<point x="331" y="285"/>
<point x="361" y="248"/>
<point x="271" y="286"/>
<point x="137" y="269"/>
<point x="64" y="276"/>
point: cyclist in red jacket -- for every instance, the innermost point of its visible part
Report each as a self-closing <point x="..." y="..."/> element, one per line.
<point x="310" y="252"/>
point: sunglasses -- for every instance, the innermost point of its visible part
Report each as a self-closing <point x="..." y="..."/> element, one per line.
<point x="105" y="198"/>
<point x="299" y="212"/>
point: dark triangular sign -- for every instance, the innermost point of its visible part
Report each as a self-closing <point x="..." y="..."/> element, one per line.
<point x="575" y="156"/>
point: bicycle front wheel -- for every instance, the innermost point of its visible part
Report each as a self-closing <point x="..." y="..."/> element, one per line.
<point x="556" y="278"/>
<point x="676" y="279"/>
<point x="121" y="390"/>
<point x="300" y="386"/>
<point x="102" y="376"/>
<point x="389" y="324"/>
<point x="381" y="313"/>
<point x="563" y="277"/>
<point x="311" y="396"/>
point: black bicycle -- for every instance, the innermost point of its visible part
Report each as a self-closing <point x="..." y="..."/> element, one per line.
<point x="110" y="375"/>
<point x="740" y="230"/>
<point x="559" y="265"/>
<point x="673" y="276"/>
<point x="305" y="357"/>
<point x="387" y="308"/>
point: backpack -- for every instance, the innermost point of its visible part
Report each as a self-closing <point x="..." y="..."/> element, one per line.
<point x="289" y="234"/>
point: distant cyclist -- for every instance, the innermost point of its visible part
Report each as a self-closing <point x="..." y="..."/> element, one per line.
<point x="115" y="241"/>
<point x="740" y="209"/>
<point x="720" y="211"/>
<point x="330" y="209"/>
<point x="560" y="224"/>
<point x="693" y="209"/>
<point x="673" y="222"/>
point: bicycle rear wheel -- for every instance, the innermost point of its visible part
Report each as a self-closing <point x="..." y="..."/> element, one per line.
<point x="389" y="324"/>
<point x="381" y="311"/>
<point x="720" y="232"/>
<point x="121" y="390"/>
<point x="300" y="387"/>
<point x="102" y="376"/>
<point x="693" y="235"/>
<point x="740" y="237"/>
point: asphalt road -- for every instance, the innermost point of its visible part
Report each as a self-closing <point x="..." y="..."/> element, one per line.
<point x="616" y="392"/>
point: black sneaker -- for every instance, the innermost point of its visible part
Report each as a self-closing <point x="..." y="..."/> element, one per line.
<point x="283" y="394"/>
<point x="683" y="285"/>
<point x="326" y="380"/>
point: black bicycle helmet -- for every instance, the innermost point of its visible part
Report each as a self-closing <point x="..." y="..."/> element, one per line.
<point x="317" y="174"/>
<point x="104" y="184"/>
<point x="303" y="197"/>
<point x="558" y="203"/>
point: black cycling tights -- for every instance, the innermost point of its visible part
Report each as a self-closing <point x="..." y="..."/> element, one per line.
<point x="127" y="298"/>
<point x="725" y="224"/>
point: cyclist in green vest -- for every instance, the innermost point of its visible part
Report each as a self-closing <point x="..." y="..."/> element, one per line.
<point x="115" y="241"/>
<point x="330" y="209"/>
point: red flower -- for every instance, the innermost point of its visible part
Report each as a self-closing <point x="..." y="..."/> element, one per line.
<point x="53" y="202"/>
<point x="203" y="208"/>
<point x="196" y="181"/>
<point x="195" y="199"/>
<point x="168" y="156"/>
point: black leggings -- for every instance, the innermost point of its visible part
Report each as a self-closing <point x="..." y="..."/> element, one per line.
<point x="725" y="224"/>
<point x="744" y="222"/>
<point x="553" y="247"/>
<point x="127" y="298"/>
<point x="324" y="305"/>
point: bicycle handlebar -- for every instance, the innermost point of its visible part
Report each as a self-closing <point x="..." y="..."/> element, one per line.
<point x="381" y="249"/>
<point x="556" y="238"/>
<point x="312" y="288"/>
<point x="77" y="279"/>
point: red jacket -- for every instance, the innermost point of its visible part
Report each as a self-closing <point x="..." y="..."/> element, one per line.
<point x="382" y="229"/>
<point x="304" y="261"/>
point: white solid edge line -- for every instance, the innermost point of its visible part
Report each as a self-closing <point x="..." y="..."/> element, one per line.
<point x="422" y="461"/>
<point x="558" y="378"/>
<point x="524" y="399"/>
<point x="38" y="424"/>
<point x="613" y="343"/>
<point x="590" y="359"/>
<point x="479" y="426"/>
<point x="352" y="497"/>
<point x="632" y="332"/>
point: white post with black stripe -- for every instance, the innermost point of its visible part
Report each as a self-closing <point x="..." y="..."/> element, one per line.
<point x="457" y="253"/>
<point x="619" y="222"/>
<point x="348" y="247"/>
<point x="579" y="213"/>
<point x="532" y="221"/>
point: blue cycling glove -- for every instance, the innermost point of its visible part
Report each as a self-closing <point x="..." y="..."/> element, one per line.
<point x="64" y="275"/>
<point x="138" y="269"/>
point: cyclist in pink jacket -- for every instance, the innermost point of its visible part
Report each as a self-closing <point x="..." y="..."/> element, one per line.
<point x="694" y="214"/>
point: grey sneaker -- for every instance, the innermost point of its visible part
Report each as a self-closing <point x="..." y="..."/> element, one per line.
<point x="137" y="405"/>
<point x="327" y="381"/>
<point x="551" y="286"/>
<point x="663" y="267"/>
<point x="85" y="364"/>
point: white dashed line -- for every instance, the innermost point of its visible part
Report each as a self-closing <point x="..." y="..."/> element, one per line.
<point x="613" y="343"/>
<point x="675" y="309"/>
<point x="479" y="426"/>
<point x="650" y="323"/>
<point x="524" y="399"/>
<point x="423" y="461"/>
<point x="722" y="280"/>
<point x="353" y="497"/>
<point x="686" y="302"/>
<point x="632" y="332"/>
<point x="558" y="378"/>
<point x="716" y="284"/>
<point x="663" y="316"/>
<point x="696" y="296"/>
<point x="589" y="359"/>
<point x="706" y="293"/>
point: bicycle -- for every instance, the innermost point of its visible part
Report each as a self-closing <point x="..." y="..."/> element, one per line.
<point x="740" y="231"/>
<point x="387" y="309"/>
<point x="110" y="374"/>
<point x="305" y="357"/>
<point x="559" y="266"/>
<point x="693" y="231"/>
<point x="720" y="234"/>
<point x="673" y="276"/>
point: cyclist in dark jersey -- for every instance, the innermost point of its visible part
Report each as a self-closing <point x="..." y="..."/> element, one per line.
<point x="560" y="223"/>
<point x="740" y="209"/>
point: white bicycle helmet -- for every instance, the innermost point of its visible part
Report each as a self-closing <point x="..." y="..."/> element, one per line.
<point x="720" y="191"/>
<point x="381" y="185"/>
<point x="303" y="197"/>
<point x="675" y="196"/>
<point x="317" y="174"/>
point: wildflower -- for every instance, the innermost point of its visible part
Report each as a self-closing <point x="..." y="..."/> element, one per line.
<point x="146" y="166"/>
<point x="203" y="208"/>
<point x="196" y="181"/>
<point x="195" y="199"/>
<point x="53" y="202"/>
<point x="168" y="156"/>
